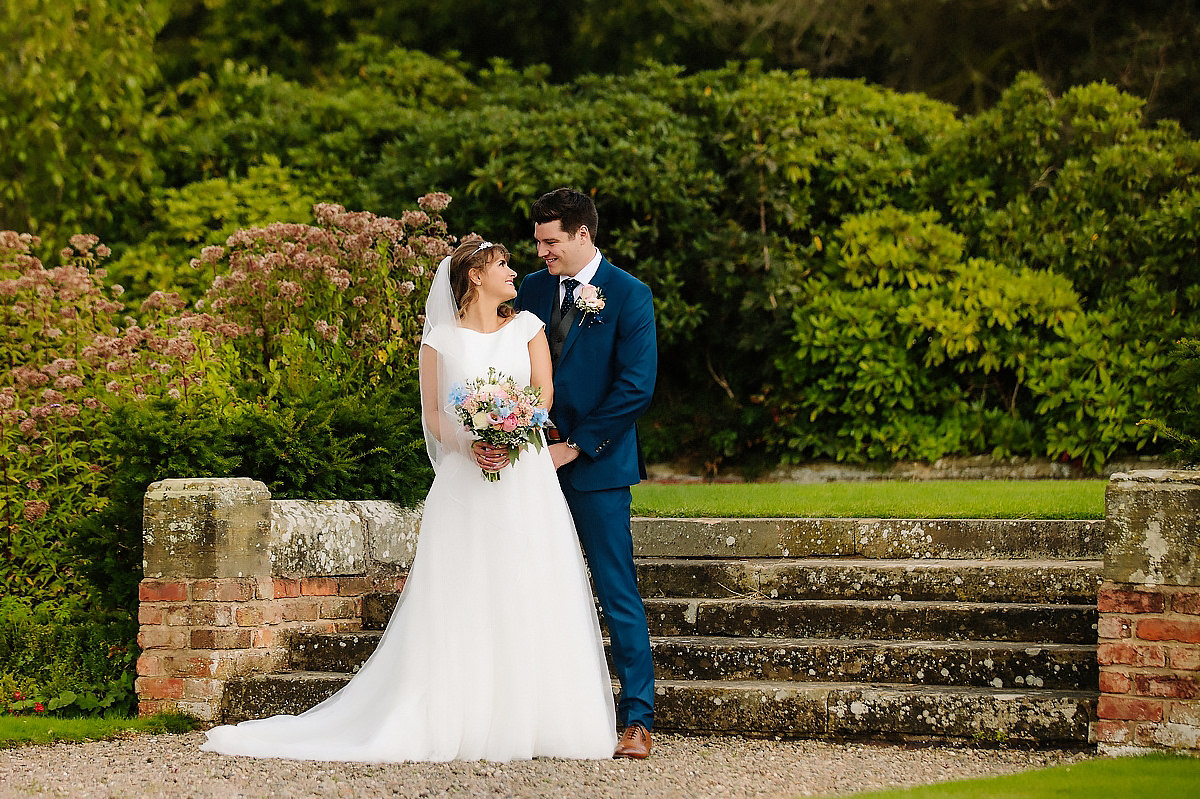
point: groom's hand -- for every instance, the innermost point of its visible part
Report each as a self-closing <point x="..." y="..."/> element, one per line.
<point x="562" y="454"/>
<point x="489" y="458"/>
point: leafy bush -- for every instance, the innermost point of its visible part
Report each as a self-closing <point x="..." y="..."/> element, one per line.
<point x="69" y="667"/>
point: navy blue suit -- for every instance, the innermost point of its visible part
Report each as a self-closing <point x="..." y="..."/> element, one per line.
<point x="603" y="381"/>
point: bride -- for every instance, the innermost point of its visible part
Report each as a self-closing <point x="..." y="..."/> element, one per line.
<point x="494" y="649"/>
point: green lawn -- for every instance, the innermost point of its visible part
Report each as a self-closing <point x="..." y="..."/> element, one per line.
<point x="23" y="730"/>
<point x="932" y="499"/>
<point x="1151" y="777"/>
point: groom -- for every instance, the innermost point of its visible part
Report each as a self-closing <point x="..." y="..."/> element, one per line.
<point x="600" y="325"/>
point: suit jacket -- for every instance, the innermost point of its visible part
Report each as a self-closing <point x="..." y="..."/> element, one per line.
<point x="604" y="378"/>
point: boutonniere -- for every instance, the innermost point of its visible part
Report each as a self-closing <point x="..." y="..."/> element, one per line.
<point x="590" y="303"/>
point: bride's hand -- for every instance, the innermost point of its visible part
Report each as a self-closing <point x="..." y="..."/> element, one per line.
<point x="489" y="458"/>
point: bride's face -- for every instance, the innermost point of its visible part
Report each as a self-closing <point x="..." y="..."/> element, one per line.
<point x="497" y="281"/>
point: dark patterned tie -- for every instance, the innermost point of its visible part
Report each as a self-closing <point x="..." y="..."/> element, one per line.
<point x="568" y="296"/>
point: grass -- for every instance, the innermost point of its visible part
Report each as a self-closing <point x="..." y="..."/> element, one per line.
<point x="26" y="730"/>
<point x="1159" y="775"/>
<point x="933" y="499"/>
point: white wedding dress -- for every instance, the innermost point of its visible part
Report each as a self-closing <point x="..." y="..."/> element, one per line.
<point x="494" y="650"/>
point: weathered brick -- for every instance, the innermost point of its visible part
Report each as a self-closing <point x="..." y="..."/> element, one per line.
<point x="1126" y="600"/>
<point x="212" y="614"/>
<point x="151" y="614"/>
<point x="149" y="666"/>
<point x="1177" y="736"/>
<point x="1131" y="654"/>
<point x="355" y="586"/>
<point x="390" y="584"/>
<point x="204" y="590"/>
<point x="1113" y="627"/>
<point x="1128" y="708"/>
<point x="300" y="609"/>
<point x="249" y="616"/>
<point x="262" y="638"/>
<point x="224" y="590"/>
<point x="228" y="638"/>
<point x="285" y="587"/>
<point x="340" y="608"/>
<point x="264" y="588"/>
<point x="159" y="687"/>
<point x="178" y="615"/>
<point x="191" y="666"/>
<point x="318" y="586"/>
<point x="1187" y="602"/>
<point x="1183" y="713"/>
<point x="1166" y="685"/>
<point x="163" y="638"/>
<point x="162" y="591"/>
<point x="1155" y="629"/>
<point x="1183" y="658"/>
<point x="152" y="707"/>
<point x="1114" y="682"/>
<point x="1144" y="733"/>
<point x="202" y="688"/>
<point x="1111" y="732"/>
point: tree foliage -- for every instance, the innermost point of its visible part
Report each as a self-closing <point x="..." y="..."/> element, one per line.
<point x="77" y="122"/>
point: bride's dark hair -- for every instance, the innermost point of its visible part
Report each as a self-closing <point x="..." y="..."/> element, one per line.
<point x="468" y="257"/>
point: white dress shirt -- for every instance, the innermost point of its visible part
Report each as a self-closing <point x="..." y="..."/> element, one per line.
<point x="584" y="275"/>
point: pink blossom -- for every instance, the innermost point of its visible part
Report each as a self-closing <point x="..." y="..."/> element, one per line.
<point x="434" y="201"/>
<point x="359" y="301"/>
<point x="414" y="219"/>
<point x="68" y="382"/>
<point x="510" y="423"/>
<point x="406" y="288"/>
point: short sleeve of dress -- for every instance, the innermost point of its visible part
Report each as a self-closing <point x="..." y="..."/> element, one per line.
<point x="529" y="323"/>
<point x="438" y="338"/>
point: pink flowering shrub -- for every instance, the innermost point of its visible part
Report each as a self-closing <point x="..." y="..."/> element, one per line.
<point x="339" y="300"/>
<point x="64" y="360"/>
<point x="330" y="310"/>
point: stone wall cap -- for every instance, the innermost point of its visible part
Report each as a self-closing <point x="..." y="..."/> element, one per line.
<point x="1191" y="476"/>
<point x="207" y="485"/>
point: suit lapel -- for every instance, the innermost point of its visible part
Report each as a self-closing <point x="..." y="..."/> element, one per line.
<point x="599" y="281"/>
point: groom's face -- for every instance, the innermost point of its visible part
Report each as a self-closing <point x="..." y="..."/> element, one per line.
<point x="563" y="254"/>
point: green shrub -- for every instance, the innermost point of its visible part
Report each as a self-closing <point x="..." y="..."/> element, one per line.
<point x="79" y="665"/>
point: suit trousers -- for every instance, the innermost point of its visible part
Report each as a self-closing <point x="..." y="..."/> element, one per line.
<point x="602" y="520"/>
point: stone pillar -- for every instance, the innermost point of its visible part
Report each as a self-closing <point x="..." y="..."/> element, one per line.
<point x="230" y="575"/>
<point x="1149" y="623"/>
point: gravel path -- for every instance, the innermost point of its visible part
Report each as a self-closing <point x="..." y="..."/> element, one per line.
<point x="682" y="766"/>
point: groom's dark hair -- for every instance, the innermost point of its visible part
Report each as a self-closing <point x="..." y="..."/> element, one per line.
<point x="571" y="208"/>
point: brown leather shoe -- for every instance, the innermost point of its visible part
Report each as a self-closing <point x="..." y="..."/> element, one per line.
<point x="635" y="742"/>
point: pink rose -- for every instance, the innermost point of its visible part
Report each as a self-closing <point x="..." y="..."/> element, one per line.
<point x="510" y="424"/>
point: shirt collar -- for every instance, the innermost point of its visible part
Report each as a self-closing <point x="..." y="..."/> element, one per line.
<point x="586" y="274"/>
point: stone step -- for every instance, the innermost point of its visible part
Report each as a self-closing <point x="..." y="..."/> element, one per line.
<point x="973" y="580"/>
<point x="1001" y="664"/>
<point x="778" y="708"/>
<point x="888" y="712"/>
<point x="861" y="619"/>
<point x="965" y="663"/>
<point x="1052" y="539"/>
<point x="962" y="580"/>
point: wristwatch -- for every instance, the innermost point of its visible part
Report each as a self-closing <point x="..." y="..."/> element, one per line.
<point x="572" y="445"/>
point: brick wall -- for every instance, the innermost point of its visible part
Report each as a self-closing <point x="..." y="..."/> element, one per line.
<point x="232" y="574"/>
<point x="195" y="634"/>
<point x="1149" y="614"/>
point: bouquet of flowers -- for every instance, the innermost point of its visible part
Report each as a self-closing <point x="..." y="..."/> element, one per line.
<point x="496" y="410"/>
